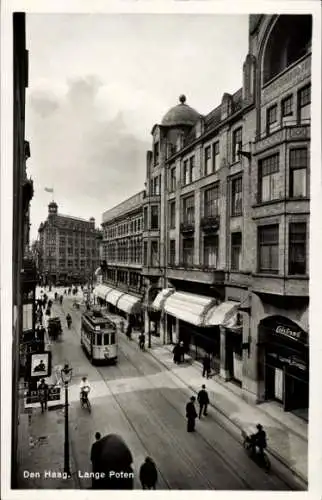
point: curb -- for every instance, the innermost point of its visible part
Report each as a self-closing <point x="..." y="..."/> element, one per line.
<point x="270" y="452"/>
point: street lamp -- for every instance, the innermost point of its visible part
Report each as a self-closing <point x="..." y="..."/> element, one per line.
<point x="66" y="375"/>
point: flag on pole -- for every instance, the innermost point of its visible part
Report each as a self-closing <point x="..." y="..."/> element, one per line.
<point x="49" y="190"/>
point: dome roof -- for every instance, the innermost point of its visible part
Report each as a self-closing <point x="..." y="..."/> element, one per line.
<point x="181" y="114"/>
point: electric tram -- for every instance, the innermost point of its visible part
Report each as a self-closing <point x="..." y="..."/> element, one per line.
<point x="99" y="337"/>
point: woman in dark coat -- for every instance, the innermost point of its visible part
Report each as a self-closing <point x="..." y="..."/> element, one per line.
<point x="177" y="354"/>
<point x="148" y="474"/>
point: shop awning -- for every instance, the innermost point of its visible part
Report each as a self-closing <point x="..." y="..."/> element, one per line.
<point x="101" y="291"/>
<point x="221" y="314"/>
<point x="188" y="307"/>
<point x="129" y="303"/>
<point x="158" y="302"/>
<point x="114" y="296"/>
<point x="234" y="324"/>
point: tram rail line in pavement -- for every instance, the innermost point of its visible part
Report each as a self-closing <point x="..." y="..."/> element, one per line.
<point x="221" y="454"/>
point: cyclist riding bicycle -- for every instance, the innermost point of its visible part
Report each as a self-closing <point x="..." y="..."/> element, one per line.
<point x="84" y="389"/>
<point x="259" y="440"/>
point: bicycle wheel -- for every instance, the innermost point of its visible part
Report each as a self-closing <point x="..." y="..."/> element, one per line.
<point x="89" y="406"/>
<point x="267" y="463"/>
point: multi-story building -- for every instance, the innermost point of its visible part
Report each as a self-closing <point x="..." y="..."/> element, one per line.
<point x="68" y="248"/>
<point x="122" y="287"/>
<point x="226" y="220"/>
<point x="23" y="269"/>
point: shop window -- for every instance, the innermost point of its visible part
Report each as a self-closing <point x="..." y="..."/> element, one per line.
<point x="271" y="120"/>
<point x="192" y="169"/>
<point x="268" y="178"/>
<point x="154" y="254"/>
<point x="211" y="202"/>
<point x="237" y="196"/>
<point x="237" y="144"/>
<point x="106" y="339"/>
<point x="154" y="217"/>
<point x="188" y="206"/>
<point x="297" y="248"/>
<point x="207" y="160"/>
<point x="268" y="249"/>
<point x="304" y="103"/>
<point x="145" y="218"/>
<point x="187" y="251"/>
<point x="215" y="156"/>
<point x="298" y="172"/>
<point x="172" y="252"/>
<point x="172" y="214"/>
<point x="210" y="251"/>
<point x="236" y="251"/>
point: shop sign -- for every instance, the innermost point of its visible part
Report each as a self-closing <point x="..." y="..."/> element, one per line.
<point x="288" y="332"/>
<point x="32" y="399"/>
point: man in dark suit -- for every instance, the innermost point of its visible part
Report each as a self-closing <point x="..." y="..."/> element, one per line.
<point x="203" y="400"/>
<point x="191" y="414"/>
<point x="94" y="458"/>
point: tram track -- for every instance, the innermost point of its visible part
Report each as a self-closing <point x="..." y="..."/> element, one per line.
<point x="217" y="449"/>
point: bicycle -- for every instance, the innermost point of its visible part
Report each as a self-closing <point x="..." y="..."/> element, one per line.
<point x="84" y="401"/>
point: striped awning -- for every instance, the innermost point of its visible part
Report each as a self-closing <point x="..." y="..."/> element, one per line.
<point x="221" y="314"/>
<point x="101" y="291"/>
<point x="159" y="301"/>
<point x="113" y="296"/>
<point x="188" y="307"/>
<point x="129" y="303"/>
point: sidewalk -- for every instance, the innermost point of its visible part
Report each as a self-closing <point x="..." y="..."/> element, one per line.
<point x="287" y="434"/>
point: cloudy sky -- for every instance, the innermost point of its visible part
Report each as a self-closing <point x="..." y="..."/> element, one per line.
<point x="98" y="84"/>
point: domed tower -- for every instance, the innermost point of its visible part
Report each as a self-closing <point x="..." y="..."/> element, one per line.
<point x="52" y="208"/>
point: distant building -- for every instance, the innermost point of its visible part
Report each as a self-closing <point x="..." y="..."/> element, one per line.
<point x="68" y="248"/>
<point x="122" y="257"/>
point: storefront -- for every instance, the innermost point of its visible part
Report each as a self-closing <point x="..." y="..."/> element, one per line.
<point x="286" y="360"/>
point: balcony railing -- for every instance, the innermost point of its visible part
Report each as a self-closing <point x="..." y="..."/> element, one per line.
<point x="210" y="224"/>
<point x="187" y="227"/>
<point x="286" y="133"/>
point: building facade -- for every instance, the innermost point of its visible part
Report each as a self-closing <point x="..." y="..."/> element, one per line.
<point x="23" y="269"/>
<point x="68" y="248"/>
<point x="226" y="221"/>
<point x="121" y="252"/>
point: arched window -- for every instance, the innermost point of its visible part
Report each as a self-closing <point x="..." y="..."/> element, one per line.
<point x="289" y="40"/>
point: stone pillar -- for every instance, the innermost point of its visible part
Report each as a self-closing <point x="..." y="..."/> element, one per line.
<point x="146" y="322"/>
<point x="163" y="331"/>
<point x="223" y="359"/>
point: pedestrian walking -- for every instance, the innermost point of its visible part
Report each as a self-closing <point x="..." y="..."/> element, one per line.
<point x="43" y="395"/>
<point x="148" y="474"/>
<point x="191" y="414"/>
<point x="128" y="331"/>
<point x="181" y="352"/>
<point x="176" y="354"/>
<point x="61" y="299"/>
<point x="142" y="341"/>
<point x="206" y="366"/>
<point x="95" y="459"/>
<point x="203" y="400"/>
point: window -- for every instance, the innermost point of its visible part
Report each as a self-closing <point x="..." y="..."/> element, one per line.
<point x="304" y="100"/>
<point x="287" y="106"/>
<point x="98" y="339"/>
<point x="237" y="196"/>
<point x="172" y="186"/>
<point x="237" y="143"/>
<point x="106" y="339"/>
<point x="185" y="172"/>
<point x="145" y="218"/>
<point x="268" y="249"/>
<point x="156" y="153"/>
<point x="298" y="172"/>
<point x="271" y="120"/>
<point x="145" y="253"/>
<point x="211" y="202"/>
<point x="172" y="214"/>
<point x="207" y="160"/>
<point x="215" y="156"/>
<point x="189" y="210"/>
<point x="192" y="168"/>
<point x="297" y="248"/>
<point x="210" y="251"/>
<point x="236" y="249"/>
<point x="172" y="252"/>
<point x="154" y="217"/>
<point x="187" y="251"/>
<point x="154" y="254"/>
<point x="268" y="178"/>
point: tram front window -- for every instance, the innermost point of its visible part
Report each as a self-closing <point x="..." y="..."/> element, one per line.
<point x="98" y="339"/>
<point x="106" y="339"/>
<point x="112" y="338"/>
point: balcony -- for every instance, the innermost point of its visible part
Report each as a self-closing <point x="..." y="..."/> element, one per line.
<point x="187" y="228"/>
<point x="198" y="273"/>
<point x="293" y="286"/>
<point x="210" y="224"/>
<point x="283" y="134"/>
